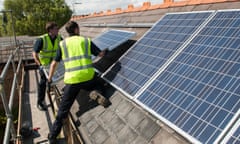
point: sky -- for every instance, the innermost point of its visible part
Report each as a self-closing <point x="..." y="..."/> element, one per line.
<point x="90" y="6"/>
<point x="1" y="4"/>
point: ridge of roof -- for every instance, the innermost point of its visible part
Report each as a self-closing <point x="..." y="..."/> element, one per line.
<point x="147" y="6"/>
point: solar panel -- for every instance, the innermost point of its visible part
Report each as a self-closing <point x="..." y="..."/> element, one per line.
<point x="199" y="91"/>
<point x="109" y="40"/>
<point x="154" y="49"/>
<point x="112" y="39"/>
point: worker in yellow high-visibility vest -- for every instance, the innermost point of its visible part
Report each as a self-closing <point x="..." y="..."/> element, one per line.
<point x="43" y="53"/>
<point x="75" y="51"/>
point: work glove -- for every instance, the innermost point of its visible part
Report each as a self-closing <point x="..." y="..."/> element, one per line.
<point x="40" y="67"/>
<point x="106" y="51"/>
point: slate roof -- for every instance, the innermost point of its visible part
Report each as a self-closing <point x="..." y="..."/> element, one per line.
<point x="124" y="121"/>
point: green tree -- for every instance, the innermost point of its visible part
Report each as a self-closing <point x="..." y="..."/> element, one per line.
<point x="1" y="27"/>
<point x="30" y="16"/>
<point x="3" y="19"/>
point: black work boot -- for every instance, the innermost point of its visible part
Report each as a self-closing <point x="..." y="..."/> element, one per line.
<point x="97" y="96"/>
<point x="52" y="139"/>
<point x="42" y="106"/>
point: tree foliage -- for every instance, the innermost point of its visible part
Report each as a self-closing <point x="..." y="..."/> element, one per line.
<point x="1" y="26"/>
<point x="30" y="16"/>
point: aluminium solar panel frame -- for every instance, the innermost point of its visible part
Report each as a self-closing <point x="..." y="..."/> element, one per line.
<point x="229" y="131"/>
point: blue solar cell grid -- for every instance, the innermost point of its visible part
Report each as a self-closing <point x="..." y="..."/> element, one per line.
<point x="112" y="38"/>
<point x="144" y="59"/>
<point x="199" y="91"/>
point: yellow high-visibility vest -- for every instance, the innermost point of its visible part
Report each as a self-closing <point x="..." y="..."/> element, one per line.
<point x="48" y="51"/>
<point x="76" y="55"/>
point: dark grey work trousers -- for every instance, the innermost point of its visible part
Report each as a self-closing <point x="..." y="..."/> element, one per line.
<point x="41" y="87"/>
<point x="70" y="93"/>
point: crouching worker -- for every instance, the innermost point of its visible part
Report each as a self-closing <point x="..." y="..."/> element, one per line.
<point x="75" y="51"/>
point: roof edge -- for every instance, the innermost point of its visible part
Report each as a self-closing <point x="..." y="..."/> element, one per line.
<point x="147" y="6"/>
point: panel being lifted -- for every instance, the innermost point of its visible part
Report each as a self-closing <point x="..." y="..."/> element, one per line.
<point x="112" y="39"/>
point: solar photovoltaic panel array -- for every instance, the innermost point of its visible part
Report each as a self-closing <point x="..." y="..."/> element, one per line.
<point x="194" y="85"/>
<point x="199" y="90"/>
<point x="143" y="60"/>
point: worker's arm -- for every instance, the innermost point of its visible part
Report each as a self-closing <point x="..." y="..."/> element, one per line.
<point x="52" y="70"/>
<point x="54" y="64"/>
<point x="36" y="58"/>
<point x="96" y="51"/>
<point x="36" y="49"/>
<point x="102" y="53"/>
